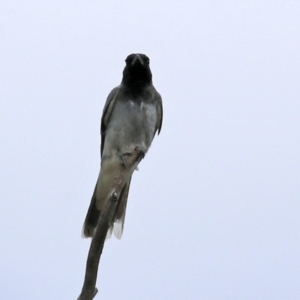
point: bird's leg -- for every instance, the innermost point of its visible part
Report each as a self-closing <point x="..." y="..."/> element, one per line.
<point x="142" y="152"/>
<point x="124" y="156"/>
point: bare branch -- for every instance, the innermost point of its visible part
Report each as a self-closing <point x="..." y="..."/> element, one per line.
<point x="89" y="289"/>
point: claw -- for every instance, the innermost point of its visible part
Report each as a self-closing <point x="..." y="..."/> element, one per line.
<point x="123" y="158"/>
<point x="142" y="152"/>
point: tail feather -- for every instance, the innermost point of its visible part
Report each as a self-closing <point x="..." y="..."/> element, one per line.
<point x="91" y="219"/>
<point x="93" y="215"/>
<point x="119" y="217"/>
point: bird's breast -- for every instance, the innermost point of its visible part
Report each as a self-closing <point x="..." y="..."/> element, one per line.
<point x="132" y="124"/>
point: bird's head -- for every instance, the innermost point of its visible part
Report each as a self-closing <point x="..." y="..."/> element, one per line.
<point x="137" y="70"/>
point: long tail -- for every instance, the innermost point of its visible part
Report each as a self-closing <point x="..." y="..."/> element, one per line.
<point x="93" y="215"/>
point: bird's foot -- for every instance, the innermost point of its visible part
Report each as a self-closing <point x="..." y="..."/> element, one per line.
<point x="123" y="158"/>
<point x="141" y="151"/>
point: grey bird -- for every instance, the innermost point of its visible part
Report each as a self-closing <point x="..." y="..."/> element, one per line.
<point x="131" y="117"/>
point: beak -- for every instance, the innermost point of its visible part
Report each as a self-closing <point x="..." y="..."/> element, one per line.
<point x="137" y="59"/>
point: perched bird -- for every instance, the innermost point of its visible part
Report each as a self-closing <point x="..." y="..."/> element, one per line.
<point x="131" y="116"/>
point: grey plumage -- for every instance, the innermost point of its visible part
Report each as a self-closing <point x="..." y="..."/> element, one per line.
<point x="131" y="116"/>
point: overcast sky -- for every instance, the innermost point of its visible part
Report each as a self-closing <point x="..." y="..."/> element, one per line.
<point x="213" y="212"/>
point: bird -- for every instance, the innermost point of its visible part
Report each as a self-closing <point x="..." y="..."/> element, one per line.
<point x="132" y="115"/>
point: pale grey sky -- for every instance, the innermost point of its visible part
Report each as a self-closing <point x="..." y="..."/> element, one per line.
<point x="213" y="212"/>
